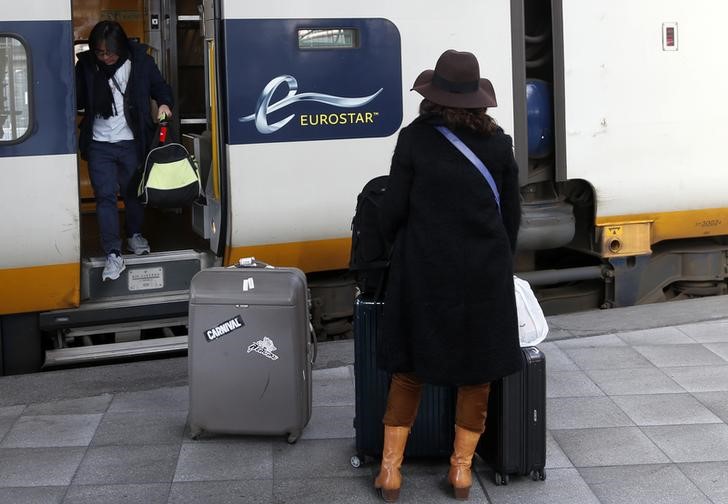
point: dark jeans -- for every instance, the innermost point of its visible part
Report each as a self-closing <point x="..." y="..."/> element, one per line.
<point x="112" y="168"/>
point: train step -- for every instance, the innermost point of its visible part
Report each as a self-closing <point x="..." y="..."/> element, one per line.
<point x="102" y="353"/>
<point x="154" y="273"/>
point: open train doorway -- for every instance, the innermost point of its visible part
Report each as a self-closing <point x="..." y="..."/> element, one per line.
<point x="144" y="311"/>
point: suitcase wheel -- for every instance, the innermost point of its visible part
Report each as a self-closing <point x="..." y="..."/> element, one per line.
<point x="356" y="462"/>
<point x="538" y="474"/>
<point x="501" y="479"/>
<point x="195" y="432"/>
<point x="293" y="437"/>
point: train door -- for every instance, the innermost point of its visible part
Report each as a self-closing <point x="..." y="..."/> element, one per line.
<point x="55" y="259"/>
<point x="39" y="222"/>
<point x="181" y="35"/>
<point x="171" y="30"/>
<point x="145" y="310"/>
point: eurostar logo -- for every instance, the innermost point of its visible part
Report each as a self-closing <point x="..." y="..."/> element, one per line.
<point x="264" y="106"/>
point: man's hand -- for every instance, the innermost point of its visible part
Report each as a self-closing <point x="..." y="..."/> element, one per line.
<point x="164" y="112"/>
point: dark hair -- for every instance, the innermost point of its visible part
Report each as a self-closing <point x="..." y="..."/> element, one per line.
<point x="475" y="119"/>
<point x="111" y="33"/>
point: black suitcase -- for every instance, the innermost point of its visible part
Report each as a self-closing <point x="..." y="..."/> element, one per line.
<point x="515" y="436"/>
<point x="433" y="432"/>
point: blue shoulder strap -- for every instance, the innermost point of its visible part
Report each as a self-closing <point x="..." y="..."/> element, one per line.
<point x="452" y="137"/>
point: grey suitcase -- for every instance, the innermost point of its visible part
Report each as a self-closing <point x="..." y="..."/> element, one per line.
<point x="250" y="351"/>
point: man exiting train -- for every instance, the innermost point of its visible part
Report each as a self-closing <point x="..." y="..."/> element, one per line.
<point x="115" y="80"/>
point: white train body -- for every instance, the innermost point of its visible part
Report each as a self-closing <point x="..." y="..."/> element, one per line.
<point x="300" y="195"/>
<point x="643" y="120"/>
<point x="295" y="120"/>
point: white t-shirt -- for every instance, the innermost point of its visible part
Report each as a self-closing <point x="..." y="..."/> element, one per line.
<point x="114" y="129"/>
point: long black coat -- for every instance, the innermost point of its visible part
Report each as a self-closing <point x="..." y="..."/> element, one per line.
<point x="450" y="312"/>
<point x="145" y="82"/>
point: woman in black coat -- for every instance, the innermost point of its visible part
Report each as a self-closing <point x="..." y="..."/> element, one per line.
<point x="450" y="315"/>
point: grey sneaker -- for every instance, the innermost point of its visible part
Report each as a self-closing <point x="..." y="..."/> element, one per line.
<point x="138" y="244"/>
<point x="113" y="268"/>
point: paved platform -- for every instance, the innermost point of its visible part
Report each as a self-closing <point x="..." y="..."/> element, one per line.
<point x="637" y="413"/>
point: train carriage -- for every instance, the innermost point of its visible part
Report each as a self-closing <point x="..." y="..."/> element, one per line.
<point x="290" y="107"/>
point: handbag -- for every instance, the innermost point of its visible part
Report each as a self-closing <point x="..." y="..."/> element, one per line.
<point x="532" y="325"/>
<point x="170" y="176"/>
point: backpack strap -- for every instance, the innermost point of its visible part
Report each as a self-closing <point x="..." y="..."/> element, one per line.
<point x="117" y="86"/>
<point x="475" y="160"/>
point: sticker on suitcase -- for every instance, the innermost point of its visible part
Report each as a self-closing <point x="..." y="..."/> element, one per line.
<point x="248" y="284"/>
<point x="264" y="347"/>
<point x="224" y="328"/>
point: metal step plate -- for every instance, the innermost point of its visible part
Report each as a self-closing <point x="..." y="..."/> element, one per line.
<point x="154" y="273"/>
<point x="66" y="356"/>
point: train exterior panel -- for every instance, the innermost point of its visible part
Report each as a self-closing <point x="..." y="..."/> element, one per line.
<point x="642" y="118"/>
<point x="291" y="107"/>
<point x="40" y="245"/>
<point x="333" y="146"/>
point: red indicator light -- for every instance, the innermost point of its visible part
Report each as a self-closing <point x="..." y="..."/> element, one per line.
<point x="670" y="36"/>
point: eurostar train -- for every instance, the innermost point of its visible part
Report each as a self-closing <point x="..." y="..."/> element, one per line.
<point x="290" y="107"/>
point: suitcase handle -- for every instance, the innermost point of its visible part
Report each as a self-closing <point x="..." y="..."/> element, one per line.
<point x="312" y="333"/>
<point x="251" y="262"/>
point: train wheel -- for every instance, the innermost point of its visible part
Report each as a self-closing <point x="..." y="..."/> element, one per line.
<point x="21" y="349"/>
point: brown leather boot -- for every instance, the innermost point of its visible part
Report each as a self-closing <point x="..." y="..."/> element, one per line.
<point x="460" y="476"/>
<point x="389" y="479"/>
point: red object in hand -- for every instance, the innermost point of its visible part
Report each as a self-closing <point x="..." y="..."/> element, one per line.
<point x="162" y="134"/>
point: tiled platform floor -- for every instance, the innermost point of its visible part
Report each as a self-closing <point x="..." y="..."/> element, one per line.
<point x="633" y="416"/>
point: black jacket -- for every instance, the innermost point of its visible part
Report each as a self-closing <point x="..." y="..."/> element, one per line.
<point x="449" y="312"/>
<point x="145" y="82"/>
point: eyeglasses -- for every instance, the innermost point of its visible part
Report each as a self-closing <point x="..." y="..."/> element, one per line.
<point x="101" y="54"/>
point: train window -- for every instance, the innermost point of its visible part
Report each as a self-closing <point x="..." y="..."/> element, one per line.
<point x="328" y="38"/>
<point x="14" y="91"/>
